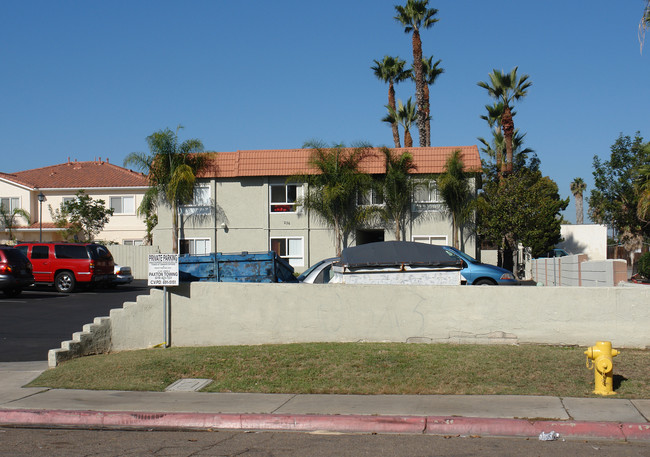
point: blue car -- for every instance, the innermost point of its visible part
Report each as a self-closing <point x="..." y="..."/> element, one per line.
<point x="482" y="274"/>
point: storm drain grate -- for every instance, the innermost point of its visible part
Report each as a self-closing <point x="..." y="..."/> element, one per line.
<point x="188" y="385"/>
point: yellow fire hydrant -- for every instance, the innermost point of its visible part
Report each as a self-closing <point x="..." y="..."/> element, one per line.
<point x="601" y="354"/>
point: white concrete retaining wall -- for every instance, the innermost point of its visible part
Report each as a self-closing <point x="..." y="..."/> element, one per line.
<point x="204" y="314"/>
<point x="208" y="314"/>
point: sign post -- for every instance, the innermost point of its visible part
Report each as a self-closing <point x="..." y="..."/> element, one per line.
<point x="163" y="271"/>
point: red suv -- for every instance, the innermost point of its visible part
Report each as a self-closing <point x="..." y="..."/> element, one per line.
<point x="67" y="264"/>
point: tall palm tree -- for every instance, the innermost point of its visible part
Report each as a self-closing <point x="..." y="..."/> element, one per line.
<point x="391" y="70"/>
<point x="506" y="88"/>
<point x="497" y="149"/>
<point x="332" y="192"/>
<point x="431" y="72"/>
<point x="171" y="168"/>
<point x="405" y="115"/>
<point x="455" y="190"/>
<point x="415" y="16"/>
<point x="644" y="23"/>
<point x="8" y="219"/>
<point x="578" y="187"/>
<point x="397" y="188"/>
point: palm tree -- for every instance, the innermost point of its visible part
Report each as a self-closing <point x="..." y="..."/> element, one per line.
<point x="396" y="190"/>
<point x="578" y="187"/>
<point x="506" y="88"/>
<point x="431" y="72"/>
<point x="415" y="16"/>
<point x="171" y="168"/>
<point x="391" y="70"/>
<point x="497" y="149"/>
<point x="405" y="115"/>
<point x="8" y="218"/>
<point x="332" y="191"/>
<point x="455" y="190"/>
<point x="644" y="23"/>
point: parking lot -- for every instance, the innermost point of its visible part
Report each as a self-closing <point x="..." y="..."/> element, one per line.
<point x="40" y="318"/>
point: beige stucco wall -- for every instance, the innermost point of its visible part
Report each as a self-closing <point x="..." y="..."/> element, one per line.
<point x="205" y="314"/>
<point x="120" y="227"/>
<point x="241" y="220"/>
<point x="10" y="190"/>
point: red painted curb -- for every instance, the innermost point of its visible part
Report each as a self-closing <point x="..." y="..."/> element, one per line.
<point x="479" y="426"/>
<point x="433" y="425"/>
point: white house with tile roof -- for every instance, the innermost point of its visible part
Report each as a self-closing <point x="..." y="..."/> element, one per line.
<point x="120" y="188"/>
<point x="243" y="202"/>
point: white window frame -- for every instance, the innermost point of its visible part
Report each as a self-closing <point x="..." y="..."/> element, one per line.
<point x="207" y="242"/>
<point x="69" y="199"/>
<point x="433" y="202"/>
<point x="13" y="202"/>
<point x="122" y="198"/>
<point x="278" y="207"/>
<point x="295" y="259"/>
<point x="201" y="201"/>
<point x="370" y="198"/>
<point x="429" y="239"/>
<point x="132" y="242"/>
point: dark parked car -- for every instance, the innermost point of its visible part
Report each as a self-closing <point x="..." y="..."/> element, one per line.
<point x="557" y="252"/>
<point x="15" y="271"/>
<point x="67" y="265"/>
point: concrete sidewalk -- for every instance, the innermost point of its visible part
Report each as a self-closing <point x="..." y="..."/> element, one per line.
<point x="480" y="415"/>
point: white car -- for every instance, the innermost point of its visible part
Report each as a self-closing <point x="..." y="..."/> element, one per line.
<point x="319" y="273"/>
<point x="122" y="275"/>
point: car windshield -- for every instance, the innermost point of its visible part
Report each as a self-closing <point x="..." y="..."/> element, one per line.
<point x="468" y="258"/>
<point x="310" y="269"/>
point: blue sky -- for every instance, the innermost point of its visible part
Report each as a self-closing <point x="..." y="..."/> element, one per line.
<point x="84" y="79"/>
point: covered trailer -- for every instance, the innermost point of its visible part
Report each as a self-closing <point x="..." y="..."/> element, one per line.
<point x="397" y="262"/>
<point x="241" y="267"/>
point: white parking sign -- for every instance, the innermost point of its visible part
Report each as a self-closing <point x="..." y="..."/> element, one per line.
<point x="163" y="270"/>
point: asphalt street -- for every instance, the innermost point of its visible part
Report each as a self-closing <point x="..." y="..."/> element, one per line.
<point x="40" y="318"/>
<point x="104" y="443"/>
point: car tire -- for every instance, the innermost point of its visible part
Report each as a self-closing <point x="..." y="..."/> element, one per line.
<point x="64" y="282"/>
<point x="484" y="282"/>
<point x="12" y="292"/>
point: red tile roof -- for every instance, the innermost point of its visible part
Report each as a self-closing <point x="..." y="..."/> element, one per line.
<point x="78" y="175"/>
<point x="288" y="162"/>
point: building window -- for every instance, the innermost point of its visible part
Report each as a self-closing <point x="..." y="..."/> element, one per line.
<point x="283" y="197"/>
<point x="200" y="201"/>
<point x="194" y="246"/>
<point x="427" y="198"/>
<point x="123" y="205"/>
<point x="68" y="199"/>
<point x="9" y="204"/>
<point x="368" y="198"/>
<point x="438" y="240"/>
<point x="290" y="249"/>
<point x="133" y="242"/>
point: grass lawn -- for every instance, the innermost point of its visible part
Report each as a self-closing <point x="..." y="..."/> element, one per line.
<point x="358" y="368"/>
